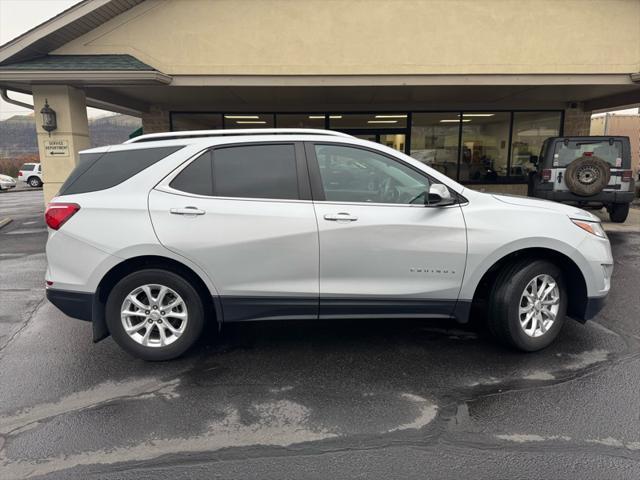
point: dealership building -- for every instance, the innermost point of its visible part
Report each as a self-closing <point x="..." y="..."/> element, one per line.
<point x="470" y="87"/>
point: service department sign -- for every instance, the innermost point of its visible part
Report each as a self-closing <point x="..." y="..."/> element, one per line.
<point x="56" y="148"/>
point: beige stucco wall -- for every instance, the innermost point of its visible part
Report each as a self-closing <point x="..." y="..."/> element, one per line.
<point x="70" y="106"/>
<point x="374" y="36"/>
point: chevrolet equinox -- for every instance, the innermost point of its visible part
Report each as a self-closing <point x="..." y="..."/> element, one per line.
<point x="151" y="239"/>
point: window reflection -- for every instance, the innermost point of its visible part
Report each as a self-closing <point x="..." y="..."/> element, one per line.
<point x="485" y="151"/>
<point x="434" y="140"/>
<point x="530" y="129"/>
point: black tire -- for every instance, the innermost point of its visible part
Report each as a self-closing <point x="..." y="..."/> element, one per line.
<point x="182" y="287"/>
<point x="618" y="212"/>
<point x="34" y="182"/>
<point x="504" y="302"/>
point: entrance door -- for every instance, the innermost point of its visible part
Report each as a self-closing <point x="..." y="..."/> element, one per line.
<point x="382" y="251"/>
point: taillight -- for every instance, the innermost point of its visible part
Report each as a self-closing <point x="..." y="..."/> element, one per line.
<point x="58" y="213"/>
<point x="626" y="175"/>
<point x="19" y="174"/>
<point x="546" y="174"/>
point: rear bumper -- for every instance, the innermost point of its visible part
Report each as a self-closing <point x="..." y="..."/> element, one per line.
<point x="73" y="304"/>
<point x="603" y="197"/>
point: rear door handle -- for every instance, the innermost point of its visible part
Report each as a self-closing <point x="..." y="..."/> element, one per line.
<point x="187" y="211"/>
<point x="340" y="217"/>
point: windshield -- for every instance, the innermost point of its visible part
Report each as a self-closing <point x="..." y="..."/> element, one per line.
<point x="567" y="152"/>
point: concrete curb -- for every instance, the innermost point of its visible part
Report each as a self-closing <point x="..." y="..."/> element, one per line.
<point x="30" y="189"/>
<point x="5" y="221"/>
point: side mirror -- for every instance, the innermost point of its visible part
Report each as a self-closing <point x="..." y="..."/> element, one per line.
<point x="439" y="195"/>
<point x="534" y="159"/>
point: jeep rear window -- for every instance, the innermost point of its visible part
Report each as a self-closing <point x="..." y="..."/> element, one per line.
<point x="99" y="171"/>
<point x="565" y="153"/>
<point x="27" y="168"/>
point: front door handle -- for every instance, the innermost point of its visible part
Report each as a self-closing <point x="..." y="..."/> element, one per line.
<point x="340" y="217"/>
<point x="187" y="211"/>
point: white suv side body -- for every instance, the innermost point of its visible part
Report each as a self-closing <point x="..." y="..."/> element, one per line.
<point x="329" y="249"/>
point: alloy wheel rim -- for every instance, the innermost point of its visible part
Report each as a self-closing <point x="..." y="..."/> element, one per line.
<point x="539" y="305"/>
<point x="588" y="175"/>
<point x="154" y="315"/>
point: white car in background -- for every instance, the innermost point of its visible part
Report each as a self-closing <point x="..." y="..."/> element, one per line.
<point x="31" y="174"/>
<point x="151" y="239"/>
<point x="6" y="182"/>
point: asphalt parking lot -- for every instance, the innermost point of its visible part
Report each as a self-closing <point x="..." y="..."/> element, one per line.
<point x="361" y="399"/>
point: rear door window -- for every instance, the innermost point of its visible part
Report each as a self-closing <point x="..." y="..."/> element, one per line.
<point x="27" y="168"/>
<point x="99" y="171"/>
<point x="567" y="152"/>
<point x="256" y="171"/>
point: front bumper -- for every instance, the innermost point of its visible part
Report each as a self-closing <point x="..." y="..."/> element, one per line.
<point x="593" y="306"/>
<point x="605" y="197"/>
<point x="73" y="304"/>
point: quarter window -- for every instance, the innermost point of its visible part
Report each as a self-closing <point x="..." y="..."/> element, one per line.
<point x="357" y="175"/>
<point x="197" y="177"/>
<point x="256" y="171"/>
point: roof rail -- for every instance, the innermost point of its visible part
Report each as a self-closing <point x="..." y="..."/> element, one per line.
<point x="150" y="137"/>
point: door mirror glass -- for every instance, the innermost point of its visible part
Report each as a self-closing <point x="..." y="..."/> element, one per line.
<point x="439" y="195"/>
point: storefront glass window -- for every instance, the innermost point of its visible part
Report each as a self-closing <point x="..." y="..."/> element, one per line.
<point x="196" y="121"/>
<point x="307" y="120"/>
<point x="248" y="120"/>
<point x="368" y="121"/>
<point x="530" y="129"/>
<point x="434" y="140"/>
<point x="485" y="147"/>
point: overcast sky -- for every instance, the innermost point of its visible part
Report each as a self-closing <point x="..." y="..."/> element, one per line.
<point x="18" y="16"/>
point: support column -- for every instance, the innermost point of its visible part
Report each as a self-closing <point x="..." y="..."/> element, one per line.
<point x="577" y="121"/>
<point x="59" y="151"/>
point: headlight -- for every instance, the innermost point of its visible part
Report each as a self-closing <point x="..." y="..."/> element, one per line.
<point x="594" y="228"/>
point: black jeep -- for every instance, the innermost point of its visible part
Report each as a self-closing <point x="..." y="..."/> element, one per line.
<point x="590" y="172"/>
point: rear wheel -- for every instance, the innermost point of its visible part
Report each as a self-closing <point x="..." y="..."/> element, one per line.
<point x="34" y="182"/>
<point x="527" y="305"/>
<point x="154" y="314"/>
<point x="618" y="212"/>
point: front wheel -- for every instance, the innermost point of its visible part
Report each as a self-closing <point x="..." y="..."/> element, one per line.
<point x="618" y="212"/>
<point x="154" y="314"/>
<point x="528" y="304"/>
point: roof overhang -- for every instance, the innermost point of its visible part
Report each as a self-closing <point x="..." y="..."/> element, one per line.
<point x="84" y="78"/>
<point x="68" y="25"/>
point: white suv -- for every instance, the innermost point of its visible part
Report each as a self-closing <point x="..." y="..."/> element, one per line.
<point x="31" y="174"/>
<point x="151" y="239"/>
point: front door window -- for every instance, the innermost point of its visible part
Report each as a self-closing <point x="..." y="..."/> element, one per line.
<point x="359" y="175"/>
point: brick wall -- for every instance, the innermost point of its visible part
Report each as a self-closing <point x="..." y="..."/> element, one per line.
<point x="155" y="121"/>
<point x="577" y="121"/>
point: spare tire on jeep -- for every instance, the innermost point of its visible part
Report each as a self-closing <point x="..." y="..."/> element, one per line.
<point x="587" y="175"/>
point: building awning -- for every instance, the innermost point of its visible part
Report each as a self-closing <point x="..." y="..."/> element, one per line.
<point x="81" y="62"/>
<point x="83" y="69"/>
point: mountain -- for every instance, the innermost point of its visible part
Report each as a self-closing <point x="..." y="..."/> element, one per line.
<point x="18" y="133"/>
